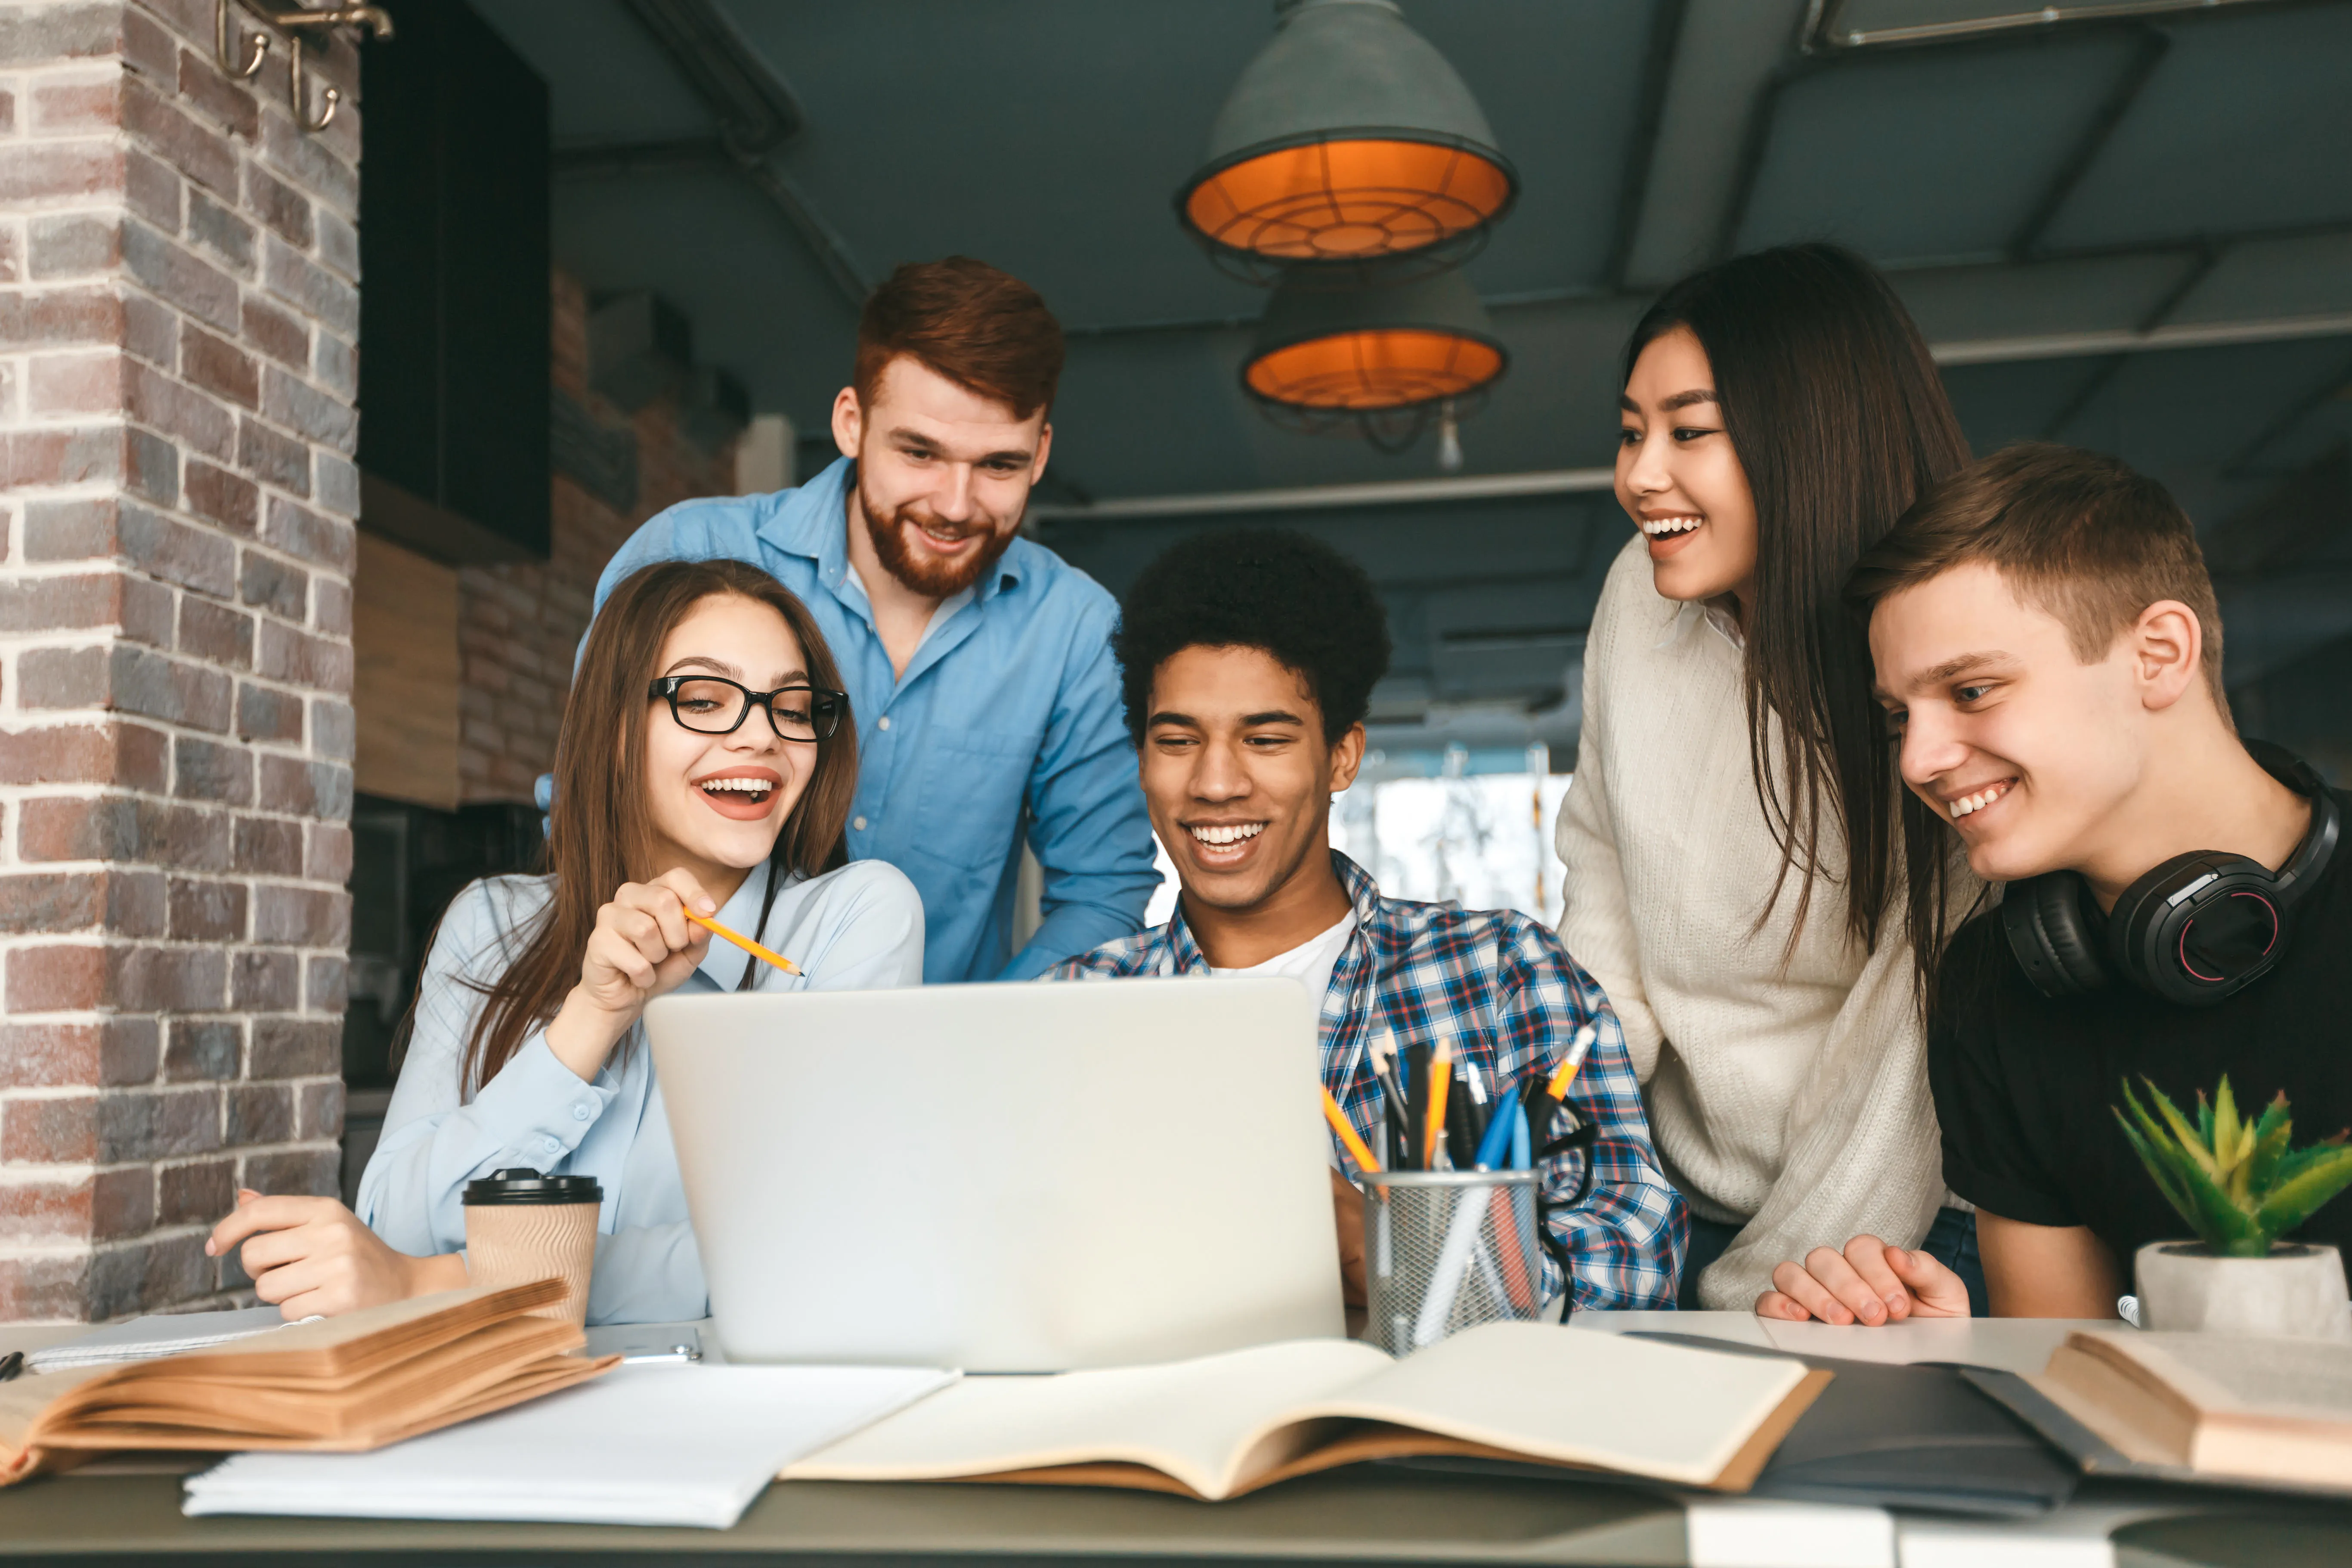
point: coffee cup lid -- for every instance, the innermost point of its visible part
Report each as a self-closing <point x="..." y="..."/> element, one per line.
<point x="524" y="1185"/>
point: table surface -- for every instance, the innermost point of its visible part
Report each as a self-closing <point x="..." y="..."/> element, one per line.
<point x="127" y="1510"/>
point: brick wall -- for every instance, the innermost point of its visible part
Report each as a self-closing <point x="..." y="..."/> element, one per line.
<point x="517" y="625"/>
<point x="178" y="301"/>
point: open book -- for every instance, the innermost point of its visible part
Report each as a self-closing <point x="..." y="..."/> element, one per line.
<point x="1224" y="1425"/>
<point x="2263" y="1410"/>
<point x="359" y="1381"/>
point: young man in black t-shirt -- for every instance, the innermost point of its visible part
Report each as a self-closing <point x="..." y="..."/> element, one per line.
<point x="2047" y="646"/>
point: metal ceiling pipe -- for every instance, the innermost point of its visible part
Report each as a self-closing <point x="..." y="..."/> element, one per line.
<point x="1305" y="498"/>
<point x="1820" y="34"/>
<point x="2124" y="341"/>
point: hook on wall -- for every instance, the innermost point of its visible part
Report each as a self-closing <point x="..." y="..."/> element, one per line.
<point x="258" y="44"/>
<point x="298" y="24"/>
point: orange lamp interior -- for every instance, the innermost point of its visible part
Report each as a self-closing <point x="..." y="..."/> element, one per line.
<point x="1391" y="367"/>
<point x="1333" y="201"/>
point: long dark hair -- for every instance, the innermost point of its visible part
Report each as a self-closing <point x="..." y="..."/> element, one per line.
<point x="1840" y="420"/>
<point x="599" y="836"/>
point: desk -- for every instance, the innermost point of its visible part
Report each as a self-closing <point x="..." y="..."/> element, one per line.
<point x="1353" y="1517"/>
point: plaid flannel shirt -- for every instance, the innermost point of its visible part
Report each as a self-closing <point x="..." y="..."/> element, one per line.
<point x="1506" y="992"/>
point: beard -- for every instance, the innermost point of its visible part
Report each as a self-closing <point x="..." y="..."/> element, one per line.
<point x="932" y="579"/>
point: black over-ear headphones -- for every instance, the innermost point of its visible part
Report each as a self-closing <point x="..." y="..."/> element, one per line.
<point x="2197" y="928"/>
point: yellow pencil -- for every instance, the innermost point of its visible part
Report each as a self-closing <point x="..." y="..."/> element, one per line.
<point x="1349" y="1140"/>
<point x="1579" y="1048"/>
<point x="746" y="944"/>
<point x="1441" y="1080"/>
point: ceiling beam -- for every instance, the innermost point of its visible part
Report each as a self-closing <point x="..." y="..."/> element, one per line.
<point x="1725" y="54"/>
<point x="756" y="114"/>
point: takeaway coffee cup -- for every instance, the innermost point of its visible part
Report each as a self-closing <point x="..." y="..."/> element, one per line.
<point x="521" y="1225"/>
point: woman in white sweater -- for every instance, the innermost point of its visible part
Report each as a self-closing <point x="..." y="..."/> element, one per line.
<point x="1779" y="413"/>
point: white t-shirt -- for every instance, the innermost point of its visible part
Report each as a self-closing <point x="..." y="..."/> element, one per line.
<point x="1310" y="963"/>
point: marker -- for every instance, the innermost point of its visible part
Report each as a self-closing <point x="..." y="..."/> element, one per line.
<point x="745" y="943"/>
<point x="1440" y="1080"/>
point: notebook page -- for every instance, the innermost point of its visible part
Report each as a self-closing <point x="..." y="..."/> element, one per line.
<point x="2308" y="1380"/>
<point x="1188" y="1419"/>
<point x="678" y="1444"/>
<point x="162" y="1334"/>
<point x="1578" y="1396"/>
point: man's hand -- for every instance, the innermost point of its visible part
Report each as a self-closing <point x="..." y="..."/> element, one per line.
<point x="1348" y="1209"/>
<point x="1869" y="1282"/>
<point x="311" y="1256"/>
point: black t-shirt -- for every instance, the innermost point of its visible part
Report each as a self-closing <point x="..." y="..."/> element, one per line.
<point x="2025" y="1085"/>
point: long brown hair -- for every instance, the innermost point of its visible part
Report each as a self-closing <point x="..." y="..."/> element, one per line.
<point x="1841" y="422"/>
<point x="599" y="836"/>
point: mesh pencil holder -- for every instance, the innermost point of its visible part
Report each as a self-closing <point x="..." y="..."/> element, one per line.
<point x="1447" y="1250"/>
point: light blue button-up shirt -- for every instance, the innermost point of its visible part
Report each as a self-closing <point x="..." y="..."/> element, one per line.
<point x="858" y="928"/>
<point x="1008" y="720"/>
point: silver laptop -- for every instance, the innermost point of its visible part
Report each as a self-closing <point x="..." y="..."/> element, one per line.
<point x="1004" y="1178"/>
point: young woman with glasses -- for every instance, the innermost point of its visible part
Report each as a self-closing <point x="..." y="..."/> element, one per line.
<point x="705" y="765"/>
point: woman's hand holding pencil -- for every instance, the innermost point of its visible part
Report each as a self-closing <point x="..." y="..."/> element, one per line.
<point x="648" y="938"/>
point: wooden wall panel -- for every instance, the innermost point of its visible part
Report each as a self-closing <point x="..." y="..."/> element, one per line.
<point x="404" y="682"/>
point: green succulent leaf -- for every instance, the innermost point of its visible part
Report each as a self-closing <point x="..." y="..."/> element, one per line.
<point x="2204" y="1119"/>
<point x="2223" y="1139"/>
<point x="2183" y="1135"/>
<point x="2272" y="1131"/>
<point x="2160" y="1171"/>
<point x="2291" y="1202"/>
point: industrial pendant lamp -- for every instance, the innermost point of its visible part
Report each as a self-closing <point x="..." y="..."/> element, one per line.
<point x="1384" y="360"/>
<point x="1348" y="139"/>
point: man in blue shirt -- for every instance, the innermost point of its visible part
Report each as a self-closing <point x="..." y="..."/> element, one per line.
<point x="978" y="662"/>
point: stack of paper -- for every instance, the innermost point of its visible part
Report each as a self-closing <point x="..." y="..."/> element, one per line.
<point x="644" y="1445"/>
<point x="163" y="1335"/>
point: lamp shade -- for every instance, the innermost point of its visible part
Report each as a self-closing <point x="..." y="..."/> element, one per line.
<point x="1348" y="139"/>
<point x="1373" y="350"/>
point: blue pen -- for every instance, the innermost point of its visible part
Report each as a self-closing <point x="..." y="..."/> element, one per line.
<point x="1498" y="1139"/>
<point x="1522" y="1152"/>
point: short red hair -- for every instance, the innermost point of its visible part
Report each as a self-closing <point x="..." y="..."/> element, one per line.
<point x="985" y="329"/>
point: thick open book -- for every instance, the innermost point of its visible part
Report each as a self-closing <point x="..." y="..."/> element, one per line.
<point x="1224" y="1425"/>
<point x="2263" y="1410"/>
<point x="359" y="1381"/>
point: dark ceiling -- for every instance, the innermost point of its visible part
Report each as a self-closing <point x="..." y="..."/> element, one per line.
<point x="2132" y="233"/>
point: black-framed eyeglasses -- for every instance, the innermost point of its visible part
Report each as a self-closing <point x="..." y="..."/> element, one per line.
<point x="714" y="705"/>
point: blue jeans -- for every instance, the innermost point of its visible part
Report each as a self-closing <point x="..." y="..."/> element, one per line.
<point x="1951" y="1241"/>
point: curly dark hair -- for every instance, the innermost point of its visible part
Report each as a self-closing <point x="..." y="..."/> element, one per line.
<point x="1290" y="594"/>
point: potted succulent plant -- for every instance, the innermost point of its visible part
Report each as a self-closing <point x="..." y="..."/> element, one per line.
<point x="2239" y="1186"/>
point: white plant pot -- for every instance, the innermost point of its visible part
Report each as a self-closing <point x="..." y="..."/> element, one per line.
<point x="2298" y="1289"/>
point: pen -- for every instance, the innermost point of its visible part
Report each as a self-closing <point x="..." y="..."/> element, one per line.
<point x="1349" y="1140"/>
<point x="745" y="943"/>
<point x="1440" y="1079"/>
<point x="1479" y="1111"/>
<point x="1498" y="1139"/>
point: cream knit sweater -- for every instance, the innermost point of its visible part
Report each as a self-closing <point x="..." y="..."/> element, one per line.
<point x="1791" y="1098"/>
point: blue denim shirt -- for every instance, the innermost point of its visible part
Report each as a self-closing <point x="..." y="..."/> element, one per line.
<point x="1009" y="720"/>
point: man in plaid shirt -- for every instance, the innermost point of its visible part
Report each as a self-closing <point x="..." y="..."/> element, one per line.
<point x="1248" y="661"/>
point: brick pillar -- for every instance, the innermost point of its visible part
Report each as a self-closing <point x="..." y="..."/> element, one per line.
<point x="178" y="305"/>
